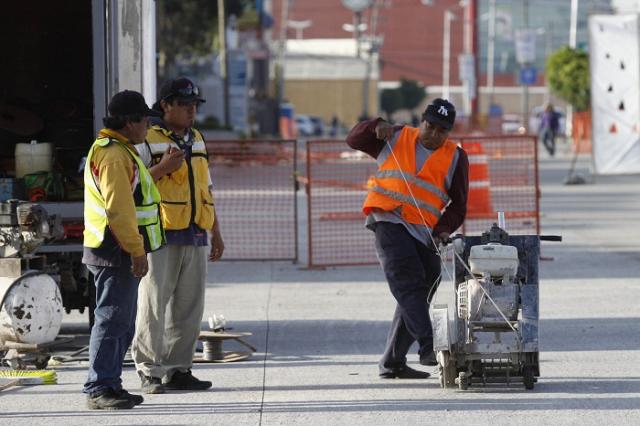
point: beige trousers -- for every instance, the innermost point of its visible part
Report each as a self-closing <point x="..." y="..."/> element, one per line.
<point x="170" y="308"/>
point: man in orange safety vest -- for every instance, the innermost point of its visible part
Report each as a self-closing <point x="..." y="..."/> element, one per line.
<point x="416" y="199"/>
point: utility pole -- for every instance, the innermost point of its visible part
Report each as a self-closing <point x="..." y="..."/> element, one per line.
<point x="471" y="17"/>
<point x="357" y="6"/>
<point x="282" y="46"/>
<point x="373" y="48"/>
<point x="446" y="52"/>
<point x="467" y="41"/>
<point x="573" y="24"/>
<point x="357" y="22"/>
<point x="525" y="87"/>
<point x="224" y="62"/>
<point x="573" y="30"/>
<point x="491" y="49"/>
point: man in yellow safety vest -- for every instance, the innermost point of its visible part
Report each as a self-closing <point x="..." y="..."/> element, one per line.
<point x="171" y="300"/>
<point x="121" y="224"/>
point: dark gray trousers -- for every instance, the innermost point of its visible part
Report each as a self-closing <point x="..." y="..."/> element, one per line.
<point x="411" y="270"/>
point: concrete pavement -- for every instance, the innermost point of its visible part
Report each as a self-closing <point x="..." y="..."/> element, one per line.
<point x="319" y="335"/>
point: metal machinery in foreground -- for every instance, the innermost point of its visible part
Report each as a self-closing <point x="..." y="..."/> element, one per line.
<point x="31" y="303"/>
<point x="488" y="330"/>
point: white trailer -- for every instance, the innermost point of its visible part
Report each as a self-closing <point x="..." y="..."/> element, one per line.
<point x="63" y="62"/>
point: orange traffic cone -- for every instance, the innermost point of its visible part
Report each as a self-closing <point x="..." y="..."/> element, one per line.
<point x="479" y="198"/>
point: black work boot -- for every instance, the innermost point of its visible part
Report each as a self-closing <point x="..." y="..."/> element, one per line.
<point x="151" y="384"/>
<point x="137" y="399"/>
<point x="405" y="372"/>
<point x="429" y="359"/>
<point x="186" y="381"/>
<point x="110" y="400"/>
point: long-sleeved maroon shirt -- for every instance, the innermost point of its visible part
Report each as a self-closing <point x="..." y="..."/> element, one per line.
<point x="363" y="138"/>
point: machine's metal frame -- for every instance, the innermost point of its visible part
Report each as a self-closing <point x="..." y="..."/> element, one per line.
<point x="512" y="356"/>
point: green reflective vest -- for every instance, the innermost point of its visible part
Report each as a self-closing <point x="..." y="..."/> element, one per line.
<point x="146" y="198"/>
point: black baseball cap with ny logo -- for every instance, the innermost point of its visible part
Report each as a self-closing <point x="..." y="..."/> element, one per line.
<point x="440" y="112"/>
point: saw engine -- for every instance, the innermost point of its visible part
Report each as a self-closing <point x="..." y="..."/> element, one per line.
<point x="30" y="298"/>
<point x="24" y="227"/>
<point x="493" y="293"/>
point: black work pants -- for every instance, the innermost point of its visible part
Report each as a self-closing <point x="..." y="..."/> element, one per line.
<point x="412" y="270"/>
<point x="548" y="138"/>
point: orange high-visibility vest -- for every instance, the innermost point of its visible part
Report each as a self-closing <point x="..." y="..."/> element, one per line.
<point x="429" y="187"/>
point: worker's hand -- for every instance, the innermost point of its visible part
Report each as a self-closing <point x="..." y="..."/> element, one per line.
<point x="217" y="246"/>
<point x="442" y="238"/>
<point x="171" y="159"/>
<point x="384" y="130"/>
<point x="139" y="266"/>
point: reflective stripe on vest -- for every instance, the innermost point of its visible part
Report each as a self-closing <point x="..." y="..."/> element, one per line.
<point x="413" y="180"/>
<point x="159" y="148"/>
<point x="407" y="199"/>
<point x="389" y="191"/>
<point x="146" y="199"/>
<point x="186" y="197"/>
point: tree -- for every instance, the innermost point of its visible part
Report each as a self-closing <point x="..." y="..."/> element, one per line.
<point x="188" y="28"/>
<point x="390" y="101"/>
<point x="408" y="95"/>
<point x="412" y="93"/>
<point x="567" y="72"/>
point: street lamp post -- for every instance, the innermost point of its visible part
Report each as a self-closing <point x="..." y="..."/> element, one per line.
<point x="282" y="50"/>
<point x="357" y="6"/>
<point x="373" y="49"/>
<point x="446" y="52"/>
<point x="299" y="27"/>
<point x="573" y="30"/>
<point x="224" y="60"/>
<point x="356" y="29"/>
<point x="525" y="87"/>
<point x="491" y="49"/>
<point x="573" y="24"/>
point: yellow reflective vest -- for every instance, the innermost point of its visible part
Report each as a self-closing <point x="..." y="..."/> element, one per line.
<point x="185" y="193"/>
<point x="146" y="199"/>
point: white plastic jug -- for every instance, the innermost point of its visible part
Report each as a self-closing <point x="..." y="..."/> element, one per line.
<point x="33" y="157"/>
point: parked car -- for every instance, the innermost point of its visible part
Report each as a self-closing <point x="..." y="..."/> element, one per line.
<point x="318" y="125"/>
<point x="512" y="124"/>
<point x="304" y="125"/>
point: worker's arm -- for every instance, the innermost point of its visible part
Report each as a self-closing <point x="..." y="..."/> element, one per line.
<point x="115" y="177"/>
<point x="217" y="245"/>
<point x="456" y="211"/>
<point x="363" y="137"/>
<point x="170" y="162"/>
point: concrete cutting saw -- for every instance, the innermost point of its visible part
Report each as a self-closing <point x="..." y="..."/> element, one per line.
<point x="488" y="330"/>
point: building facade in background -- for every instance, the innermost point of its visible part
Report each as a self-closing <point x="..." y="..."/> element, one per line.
<point x="411" y="36"/>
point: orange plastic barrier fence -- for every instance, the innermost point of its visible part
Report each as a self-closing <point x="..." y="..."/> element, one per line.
<point x="255" y="197"/>
<point x="337" y="184"/>
<point x="503" y="176"/>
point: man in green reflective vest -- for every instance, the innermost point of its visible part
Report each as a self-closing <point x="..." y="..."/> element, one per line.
<point x="122" y="224"/>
